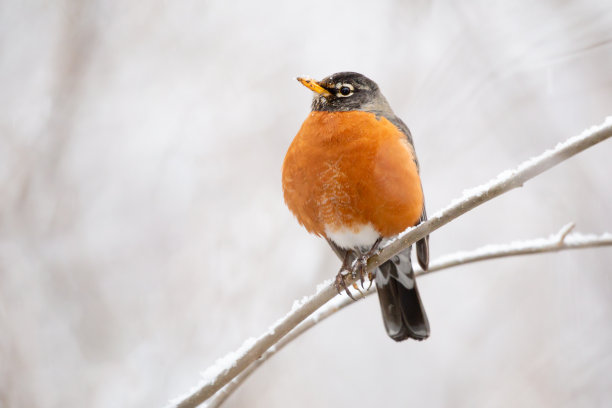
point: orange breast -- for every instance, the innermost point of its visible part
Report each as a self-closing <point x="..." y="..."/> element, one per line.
<point x="349" y="168"/>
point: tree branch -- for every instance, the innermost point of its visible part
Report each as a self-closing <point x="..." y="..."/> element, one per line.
<point x="504" y="182"/>
<point x="554" y="243"/>
<point x="226" y="369"/>
<point x="557" y="242"/>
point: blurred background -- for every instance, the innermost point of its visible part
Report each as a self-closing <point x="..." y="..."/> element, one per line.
<point x="143" y="232"/>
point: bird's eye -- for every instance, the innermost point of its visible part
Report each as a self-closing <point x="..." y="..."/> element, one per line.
<point x="344" y="90"/>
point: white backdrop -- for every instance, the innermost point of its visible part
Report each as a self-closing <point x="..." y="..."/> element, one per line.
<point x="142" y="228"/>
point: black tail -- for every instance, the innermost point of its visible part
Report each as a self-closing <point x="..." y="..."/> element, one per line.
<point x="402" y="310"/>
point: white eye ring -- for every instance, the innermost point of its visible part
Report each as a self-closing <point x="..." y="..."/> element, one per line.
<point x="340" y="86"/>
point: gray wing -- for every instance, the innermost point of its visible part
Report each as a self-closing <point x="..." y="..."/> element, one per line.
<point x="422" y="246"/>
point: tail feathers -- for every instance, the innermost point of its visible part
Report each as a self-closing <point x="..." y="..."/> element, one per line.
<point x="402" y="310"/>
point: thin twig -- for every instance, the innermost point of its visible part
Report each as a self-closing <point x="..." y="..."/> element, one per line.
<point x="537" y="246"/>
<point x="504" y="182"/>
<point x="221" y="374"/>
<point x="551" y="244"/>
<point x="564" y="231"/>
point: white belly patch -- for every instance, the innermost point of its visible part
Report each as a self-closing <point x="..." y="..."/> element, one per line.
<point x="357" y="236"/>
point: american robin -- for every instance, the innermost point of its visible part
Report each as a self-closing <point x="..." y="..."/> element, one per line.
<point x="351" y="175"/>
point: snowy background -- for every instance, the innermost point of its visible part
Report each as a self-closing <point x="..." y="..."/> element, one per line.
<point x="143" y="233"/>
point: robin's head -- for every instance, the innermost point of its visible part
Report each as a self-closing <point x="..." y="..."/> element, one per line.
<point x="346" y="91"/>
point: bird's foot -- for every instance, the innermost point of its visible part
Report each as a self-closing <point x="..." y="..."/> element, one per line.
<point x="358" y="270"/>
<point x="341" y="285"/>
<point x="340" y="282"/>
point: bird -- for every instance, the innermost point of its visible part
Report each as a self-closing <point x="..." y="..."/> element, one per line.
<point x="351" y="176"/>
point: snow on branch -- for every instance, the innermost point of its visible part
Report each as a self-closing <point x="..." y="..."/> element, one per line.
<point x="226" y="369"/>
<point x="504" y="182"/>
<point x="556" y="242"/>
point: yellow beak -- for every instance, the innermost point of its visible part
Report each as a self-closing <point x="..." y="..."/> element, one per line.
<point x="313" y="86"/>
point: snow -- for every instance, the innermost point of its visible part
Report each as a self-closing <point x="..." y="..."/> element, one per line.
<point x="584" y="239"/>
<point x="220" y="366"/>
<point x="508" y="174"/>
<point x="228" y="361"/>
<point x="300" y="302"/>
<point x="324" y="285"/>
<point x="481" y="189"/>
<point x="225" y="363"/>
<point x="297" y="304"/>
<point x="532" y="245"/>
<point x="562" y="145"/>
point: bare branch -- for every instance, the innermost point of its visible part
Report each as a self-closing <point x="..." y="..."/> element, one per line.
<point x="228" y="368"/>
<point x="564" y="231"/>
<point x="503" y="183"/>
<point x="535" y="246"/>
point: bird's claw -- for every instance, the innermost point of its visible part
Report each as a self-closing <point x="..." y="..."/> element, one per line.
<point x="371" y="278"/>
<point x="340" y="282"/>
<point x="357" y="271"/>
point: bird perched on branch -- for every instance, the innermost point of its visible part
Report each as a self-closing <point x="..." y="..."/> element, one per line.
<point x="351" y="175"/>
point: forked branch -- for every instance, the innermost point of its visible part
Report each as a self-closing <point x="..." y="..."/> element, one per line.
<point x="558" y="242"/>
<point x="226" y="369"/>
